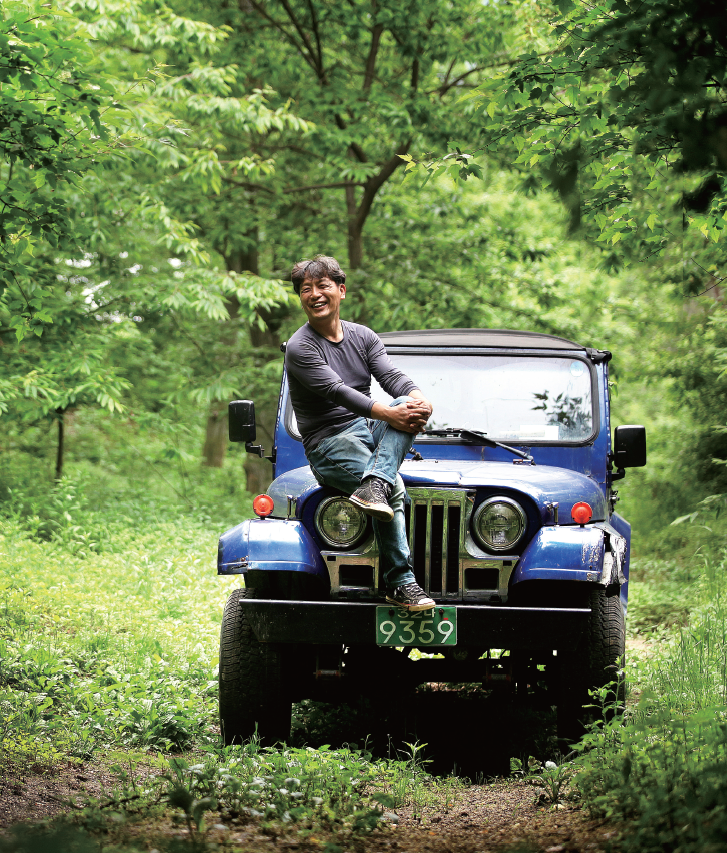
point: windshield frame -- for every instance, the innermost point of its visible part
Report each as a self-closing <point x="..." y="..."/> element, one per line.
<point x="423" y="439"/>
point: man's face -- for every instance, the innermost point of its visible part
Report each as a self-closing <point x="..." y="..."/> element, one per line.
<point x="321" y="298"/>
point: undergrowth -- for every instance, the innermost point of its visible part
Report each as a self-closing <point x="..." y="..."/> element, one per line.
<point x="117" y="648"/>
<point x="663" y="771"/>
<point x="325" y="798"/>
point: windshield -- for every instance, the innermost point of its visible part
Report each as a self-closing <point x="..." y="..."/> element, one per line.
<point x="511" y="398"/>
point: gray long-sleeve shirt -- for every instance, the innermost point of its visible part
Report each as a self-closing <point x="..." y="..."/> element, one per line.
<point x="330" y="383"/>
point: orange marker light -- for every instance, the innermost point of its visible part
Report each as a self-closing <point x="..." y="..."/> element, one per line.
<point x="581" y="513"/>
<point x="263" y="505"/>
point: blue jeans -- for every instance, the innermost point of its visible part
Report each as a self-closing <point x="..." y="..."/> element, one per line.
<point x="370" y="448"/>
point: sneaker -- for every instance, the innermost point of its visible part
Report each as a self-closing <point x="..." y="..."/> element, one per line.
<point x="411" y="597"/>
<point x="372" y="496"/>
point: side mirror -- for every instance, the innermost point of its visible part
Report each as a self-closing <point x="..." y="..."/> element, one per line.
<point x="629" y="447"/>
<point x="241" y="418"/>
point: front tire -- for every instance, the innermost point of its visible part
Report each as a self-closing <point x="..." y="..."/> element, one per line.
<point x="253" y="688"/>
<point x="596" y="662"/>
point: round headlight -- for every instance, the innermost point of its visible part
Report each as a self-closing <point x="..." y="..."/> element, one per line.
<point x="499" y="523"/>
<point x="340" y="523"/>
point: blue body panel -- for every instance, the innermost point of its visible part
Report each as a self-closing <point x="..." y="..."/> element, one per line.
<point x="571" y="553"/>
<point x="269" y="544"/>
<point x="298" y="483"/>
<point x="624" y="528"/>
<point x="541" y="484"/>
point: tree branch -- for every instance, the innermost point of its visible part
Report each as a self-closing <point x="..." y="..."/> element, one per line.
<point x="445" y="88"/>
<point x="246" y="185"/>
<point x="316" y="32"/>
<point x="336" y="185"/>
<point x="186" y="334"/>
<point x="359" y="152"/>
<point x="504" y="61"/>
<point x="371" y="59"/>
<point x="315" y="64"/>
<point x="449" y="71"/>
<point x="278" y="26"/>
<point x="374" y="183"/>
<point x="354" y="147"/>
<point x="414" y="75"/>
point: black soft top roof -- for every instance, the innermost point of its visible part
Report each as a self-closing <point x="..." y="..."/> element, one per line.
<point x="477" y="338"/>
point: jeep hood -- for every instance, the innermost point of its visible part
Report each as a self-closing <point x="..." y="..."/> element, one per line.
<point x="543" y="484"/>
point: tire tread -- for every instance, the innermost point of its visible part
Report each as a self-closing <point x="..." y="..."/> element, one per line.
<point x="252" y="682"/>
<point x="596" y="662"/>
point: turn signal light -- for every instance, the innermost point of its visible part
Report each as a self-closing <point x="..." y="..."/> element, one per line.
<point x="581" y="513"/>
<point x="263" y="505"/>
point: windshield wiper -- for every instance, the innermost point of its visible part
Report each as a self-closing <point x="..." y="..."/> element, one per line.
<point x="480" y="438"/>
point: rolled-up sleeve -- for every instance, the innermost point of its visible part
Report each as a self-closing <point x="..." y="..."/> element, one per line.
<point x="308" y="366"/>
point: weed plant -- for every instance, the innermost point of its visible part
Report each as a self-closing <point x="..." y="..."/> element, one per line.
<point x="552" y="777"/>
<point x="109" y="599"/>
<point x="315" y="788"/>
<point x="322" y="798"/>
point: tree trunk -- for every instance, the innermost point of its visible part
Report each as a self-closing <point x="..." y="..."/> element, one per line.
<point x="355" y="247"/>
<point x="215" y="442"/>
<point x="355" y="231"/>
<point x="356" y="302"/>
<point x="60" y="448"/>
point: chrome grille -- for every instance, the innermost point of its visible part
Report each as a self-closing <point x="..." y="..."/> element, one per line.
<point x="436" y="523"/>
<point x="447" y="562"/>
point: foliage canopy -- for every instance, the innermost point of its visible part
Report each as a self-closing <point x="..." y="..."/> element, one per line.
<point x="624" y="116"/>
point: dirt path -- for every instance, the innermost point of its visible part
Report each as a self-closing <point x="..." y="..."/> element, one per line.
<point x="501" y="815"/>
<point x="497" y="817"/>
<point x="34" y="794"/>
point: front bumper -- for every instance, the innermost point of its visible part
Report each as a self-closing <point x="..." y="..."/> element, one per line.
<point x="535" y="628"/>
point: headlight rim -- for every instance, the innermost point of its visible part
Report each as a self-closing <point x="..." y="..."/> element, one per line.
<point x="481" y="509"/>
<point x="320" y="509"/>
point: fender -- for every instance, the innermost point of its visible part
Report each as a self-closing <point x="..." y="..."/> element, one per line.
<point x="565" y="553"/>
<point x="269" y="545"/>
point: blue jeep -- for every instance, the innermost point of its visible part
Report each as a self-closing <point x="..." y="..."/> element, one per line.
<point x="512" y="529"/>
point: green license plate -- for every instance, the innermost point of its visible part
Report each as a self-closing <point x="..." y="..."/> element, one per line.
<point x="396" y="627"/>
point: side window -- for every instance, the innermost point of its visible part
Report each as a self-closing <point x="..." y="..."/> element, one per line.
<point x="291" y="424"/>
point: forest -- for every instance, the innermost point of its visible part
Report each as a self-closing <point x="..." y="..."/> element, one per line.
<point x="554" y="166"/>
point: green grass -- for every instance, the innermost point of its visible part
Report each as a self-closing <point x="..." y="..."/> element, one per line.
<point x="117" y="648"/>
<point x="109" y="600"/>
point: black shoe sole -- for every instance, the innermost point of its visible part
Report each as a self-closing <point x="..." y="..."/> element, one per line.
<point x="383" y="512"/>
<point x="414" y="608"/>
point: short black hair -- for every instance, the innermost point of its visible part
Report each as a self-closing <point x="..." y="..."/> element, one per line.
<point x="322" y="266"/>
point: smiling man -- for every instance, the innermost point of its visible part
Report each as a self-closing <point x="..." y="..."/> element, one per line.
<point x="353" y="443"/>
